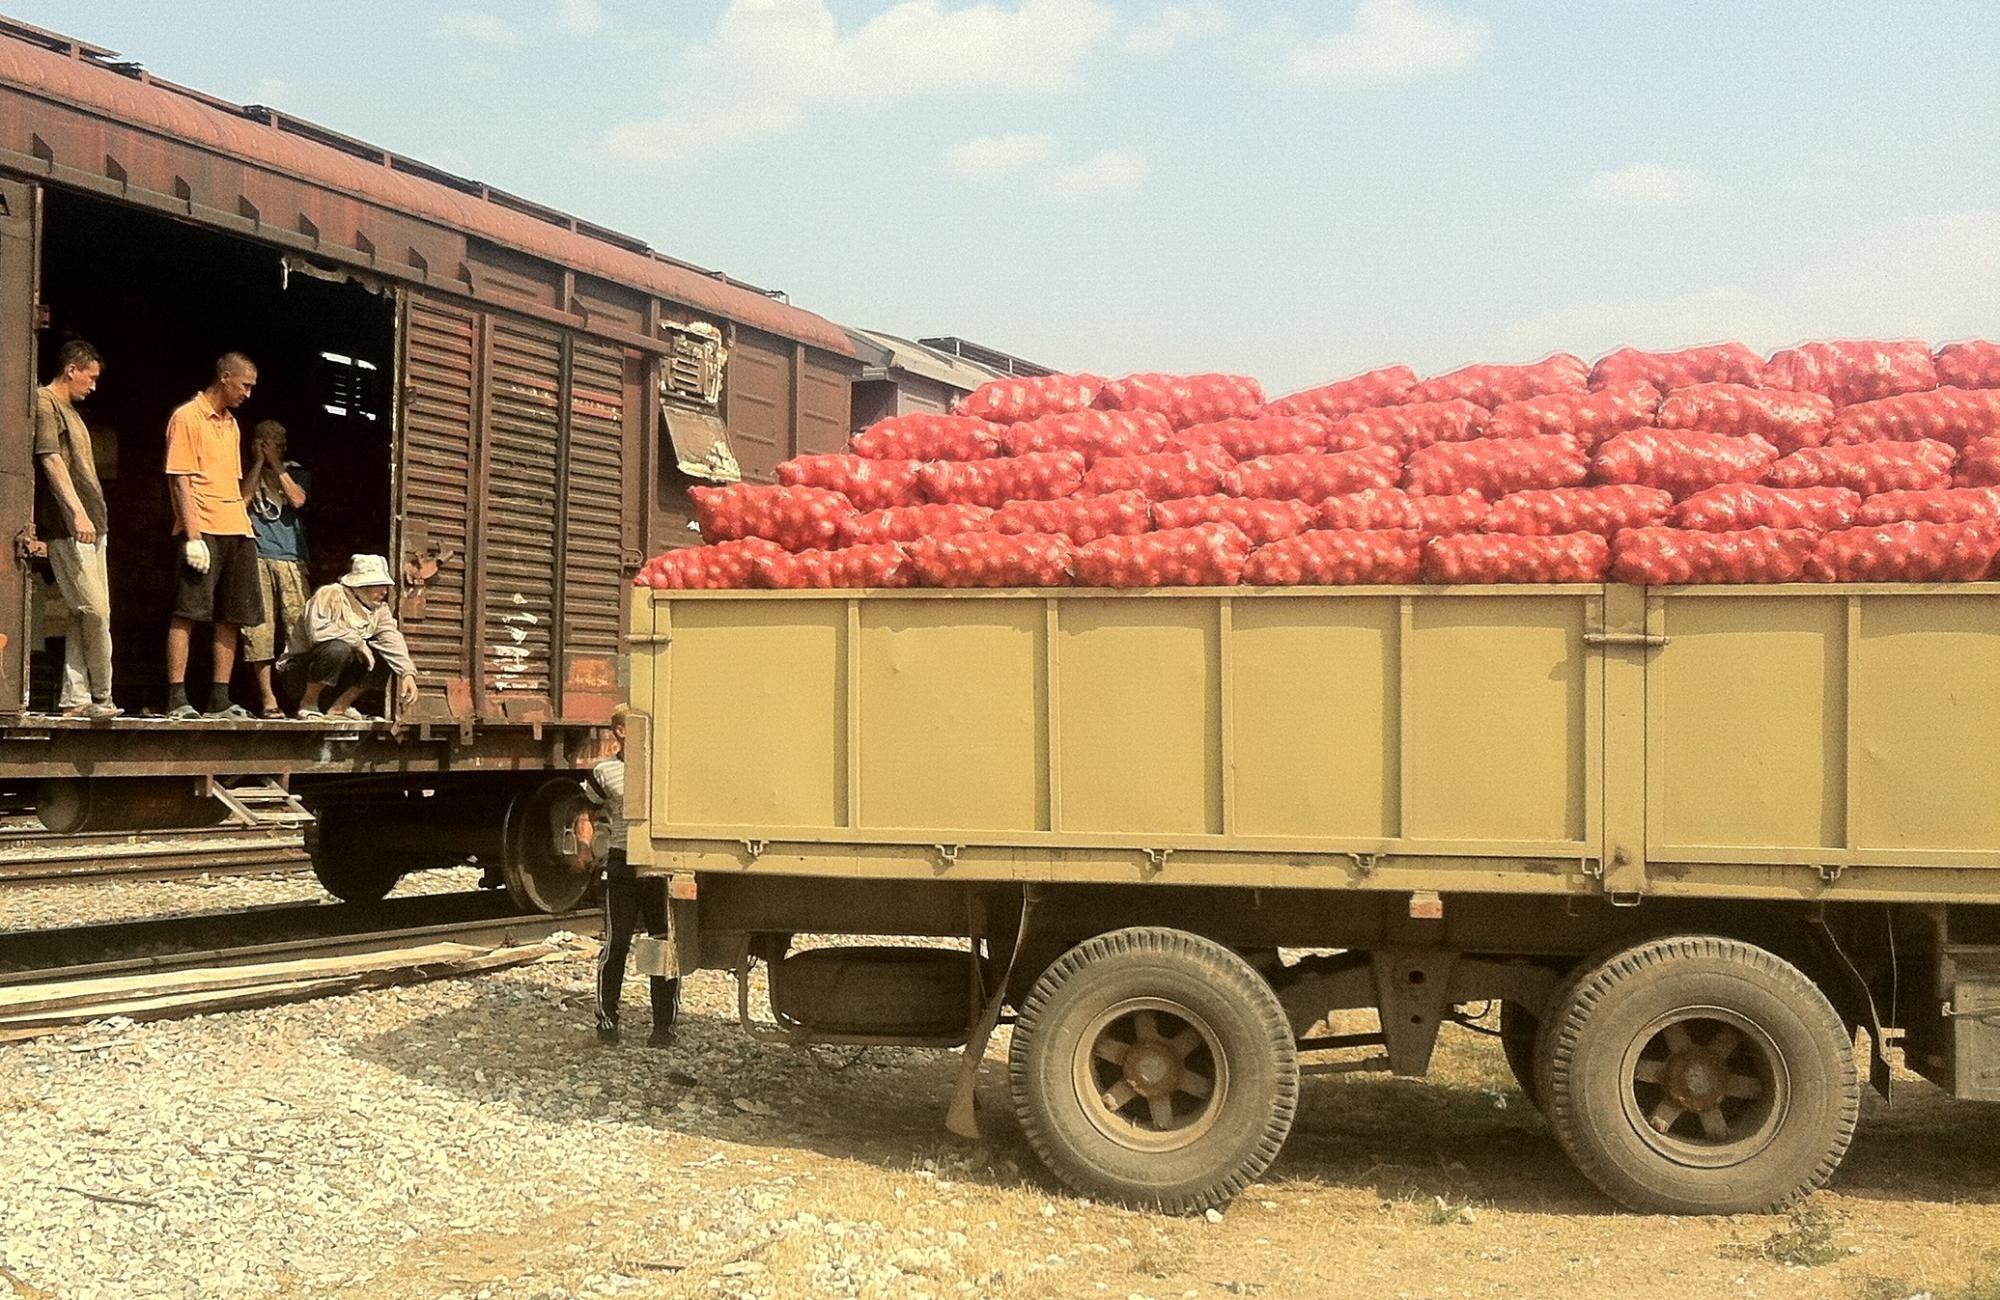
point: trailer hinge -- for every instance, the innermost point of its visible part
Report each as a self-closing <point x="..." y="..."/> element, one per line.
<point x="1592" y="867"/>
<point x="755" y="848"/>
<point x="1364" y="863"/>
<point x="947" y="855"/>
<point x="1830" y="872"/>
<point x="1156" y="860"/>
<point x="1646" y="640"/>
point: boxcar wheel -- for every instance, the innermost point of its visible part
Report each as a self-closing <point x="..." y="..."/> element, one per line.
<point x="546" y="868"/>
<point x="1518" y="1027"/>
<point x="342" y="861"/>
<point x="1154" y="1067"/>
<point x="1699" y="1075"/>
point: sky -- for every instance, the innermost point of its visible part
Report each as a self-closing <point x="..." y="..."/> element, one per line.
<point x="1297" y="191"/>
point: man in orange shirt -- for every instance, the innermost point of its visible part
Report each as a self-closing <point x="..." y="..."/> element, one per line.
<point x="218" y="574"/>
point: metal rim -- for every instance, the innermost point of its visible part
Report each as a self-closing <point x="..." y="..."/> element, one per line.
<point x="1151" y="1075"/>
<point x="534" y="872"/>
<point x="1706" y="1087"/>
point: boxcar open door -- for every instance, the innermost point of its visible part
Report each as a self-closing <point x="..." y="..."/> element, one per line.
<point x="20" y="259"/>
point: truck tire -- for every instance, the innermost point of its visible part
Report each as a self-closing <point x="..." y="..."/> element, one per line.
<point x="1518" y="1028"/>
<point x="1698" y="1075"/>
<point x="343" y="862"/>
<point x="1154" y="1067"/>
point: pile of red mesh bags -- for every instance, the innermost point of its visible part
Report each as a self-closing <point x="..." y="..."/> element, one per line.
<point x="1410" y="427"/>
<point x="1206" y="555"/>
<point x="1185" y="399"/>
<point x="1312" y="476"/>
<point x="1161" y="476"/>
<point x="1516" y="557"/>
<point x="1388" y="386"/>
<point x="1036" y="477"/>
<point x="1590" y="418"/>
<point x="1979" y="464"/>
<point x="1937" y="506"/>
<point x="1719" y="363"/>
<point x="1907" y="552"/>
<point x="1011" y="401"/>
<point x="1096" y="434"/>
<point x="1081" y="519"/>
<point x="1786" y="420"/>
<point x="1394" y="509"/>
<point x="880" y="565"/>
<point x="1867" y="467"/>
<point x="717" y="567"/>
<point x="991" y="560"/>
<point x="1600" y="510"/>
<point x="1338" y="557"/>
<point x="1267" y="435"/>
<point x="1682" y="461"/>
<point x="1261" y="521"/>
<point x="1656" y="557"/>
<point x="867" y="484"/>
<point x="796" y="518"/>
<point x="1489" y="386"/>
<point x="1494" y="467"/>
<point x="908" y="523"/>
<point x="1737" y="506"/>
<point x="927" y="437"/>
<point x="1854" y="370"/>
<point x="1956" y="416"/>
<point x="1974" y="364"/>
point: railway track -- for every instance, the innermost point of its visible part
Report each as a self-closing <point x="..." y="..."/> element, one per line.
<point x="216" y="961"/>
<point x="32" y="856"/>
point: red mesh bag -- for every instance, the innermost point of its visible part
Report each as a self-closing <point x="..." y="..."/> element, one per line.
<point x="1206" y="555"/>
<point x="1734" y="507"/>
<point x="908" y="523"/>
<point x="1979" y="464"/>
<point x="1461" y="512"/>
<point x="1338" y="558"/>
<point x="1163" y="475"/>
<point x="868" y="484"/>
<point x="927" y="437"/>
<point x="1601" y="510"/>
<point x="1867" y="467"/>
<point x="1372" y="510"/>
<point x="1313" y="477"/>
<point x="1590" y="418"/>
<point x="1185" y="399"/>
<point x="1011" y="401"/>
<point x="1094" y="433"/>
<point x="1491" y="385"/>
<point x="1267" y="435"/>
<point x="1407" y="428"/>
<point x="880" y="565"/>
<point x="1949" y="415"/>
<point x="990" y="560"/>
<point x="1717" y="363"/>
<point x="1907" y="552"/>
<point x="1972" y="364"/>
<point x="1261" y="521"/>
<point x="1786" y="420"/>
<point x="796" y="518"/>
<point x="719" y="567"/>
<point x="1938" y="506"/>
<point x="1516" y="557"/>
<point x="1081" y="519"/>
<point x="1681" y="461"/>
<point x="1038" y="477"/>
<point x="1854" y="370"/>
<point x="1659" y="557"/>
<point x="1493" y="467"/>
<point x="1388" y="386"/>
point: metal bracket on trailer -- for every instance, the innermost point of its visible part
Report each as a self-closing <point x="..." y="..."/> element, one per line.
<point x="961" y="1117"/>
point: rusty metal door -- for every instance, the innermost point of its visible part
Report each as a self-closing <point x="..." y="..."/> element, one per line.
<point x="436" y="467"/>
<point x="20" y="265"/>
<point x="591" y="599"/>
<point x="520" y="533"/>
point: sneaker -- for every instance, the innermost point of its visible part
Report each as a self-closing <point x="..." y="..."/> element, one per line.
<point x="183" y="713"/>
<point x="607" y="1030"/>
<point x="307" y="714"/>
<point x="234" y="713"/>
<point x="99" y="710"/>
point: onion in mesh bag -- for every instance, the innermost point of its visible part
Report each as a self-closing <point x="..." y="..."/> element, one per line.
<point x="1681" y="461"/>
<point x="1094" y="433"/>
<point x="1867" y="467"/>
<point x="1163" y="475"/>
<point x="1494" y="467"/>
<point x="1489" y="386"/>
<point x="1516" y="557"/>
<point x="991" y="560"/>
<point x="717" y="567"/>
<point x="927" y="437"/>
<point x="1786" y="420"/>
<point x="1907" y="552"/>
<point x="1312" y="477"/>
<point x="1733" y="507"/>
<point x="908" y="523"/>
<point x="1407" y="428"/>
<point x="1261" y="521"/>
<point x="1010" y="401"/>
<point x="880" y="565"/>
<point x="1854" y="370"/>
<point x="1717" y="363"/>
<point x="1385" y="387"/>
<point x="1590" y="418"/>
<point x="796" y="518"/>
<point x="1602" y="510"/>
<point x="1658" y="557"/>
<point x="1955" y="416"/>
<point x="1338" y="557"/>
<point x="869" y="484"/>
<point x="1037" y="477"/>
<point x="1972" y="364"/>
<point x="1081" y="519"/>
<point x="1185" y="399"/>
<point x="1206" y="555"/>
<point x="1935" y="506"/>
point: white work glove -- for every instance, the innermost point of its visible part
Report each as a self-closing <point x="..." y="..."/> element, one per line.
<point x="195" y="554"/>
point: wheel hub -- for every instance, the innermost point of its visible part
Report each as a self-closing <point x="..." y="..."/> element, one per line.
<point x="1150" y="1074"/>
<point x="1708" y="1088"/>
<point x="1154" y="1071"/>
<point x="1696" y="1080"/>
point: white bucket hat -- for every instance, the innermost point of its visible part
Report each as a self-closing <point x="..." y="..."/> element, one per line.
<point x="367" y="571"/>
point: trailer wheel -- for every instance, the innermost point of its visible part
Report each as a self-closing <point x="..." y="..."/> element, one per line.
<point x="545" y="863"/>
<point x="1156" y="1068"/>
<point x="1518" y="1028"/>
<point x="342" y="861"/>
<point x="1699" y="1075"/>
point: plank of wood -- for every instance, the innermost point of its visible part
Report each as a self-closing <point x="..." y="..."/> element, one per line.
<point x="29" y="997"/>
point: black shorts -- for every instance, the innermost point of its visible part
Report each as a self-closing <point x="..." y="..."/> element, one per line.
<point x="230" y="592"/>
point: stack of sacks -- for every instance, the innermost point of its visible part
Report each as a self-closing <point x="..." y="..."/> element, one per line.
<point x="1832" y="461"/>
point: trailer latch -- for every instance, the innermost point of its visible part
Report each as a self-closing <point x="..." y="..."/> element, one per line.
<point x="1157" y="860"/>
<point x="755" y="848"/>
<point x="947" y="855"/>
<point x="1647" y="640"/>
<point x="1830" y="872"/>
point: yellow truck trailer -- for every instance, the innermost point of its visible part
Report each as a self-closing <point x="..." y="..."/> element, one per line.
<point x="1690" y="841"/>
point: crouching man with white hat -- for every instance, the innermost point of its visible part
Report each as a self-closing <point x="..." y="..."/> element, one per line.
<point x="346" y="642"/>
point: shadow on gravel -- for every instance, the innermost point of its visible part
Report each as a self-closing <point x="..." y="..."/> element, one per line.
<point x="1465" y="1138"/>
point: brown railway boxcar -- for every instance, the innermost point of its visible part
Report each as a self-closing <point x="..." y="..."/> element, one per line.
<point x="506" y="400"/>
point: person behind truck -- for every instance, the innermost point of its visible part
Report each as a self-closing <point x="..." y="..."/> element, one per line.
<point x="275" y="492"/>
<point x="218" y="571"/>
<point x="626" y="898"/>
<point x="71" y="517"/>
<point x="346" y="642"/>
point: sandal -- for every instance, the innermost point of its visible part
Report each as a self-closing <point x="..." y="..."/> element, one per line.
<point x="272" y="714"/>
<point x="310" y="715"/>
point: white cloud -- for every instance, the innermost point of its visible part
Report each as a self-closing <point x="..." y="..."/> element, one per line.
<point x="1391" y="40"/>
<point x="584" y="17"/>
<point x="1175" y="25"/>
<point x="994" y="157"/>
<point x="1107" y="175"/>
<point x="1932" y="277"/>
<point x="480" y="27"/>
<point x="1647" y="185"/>
<point x="768" y="62"/>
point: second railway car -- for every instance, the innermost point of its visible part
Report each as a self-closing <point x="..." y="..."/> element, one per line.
<point x="507" y="401"/>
